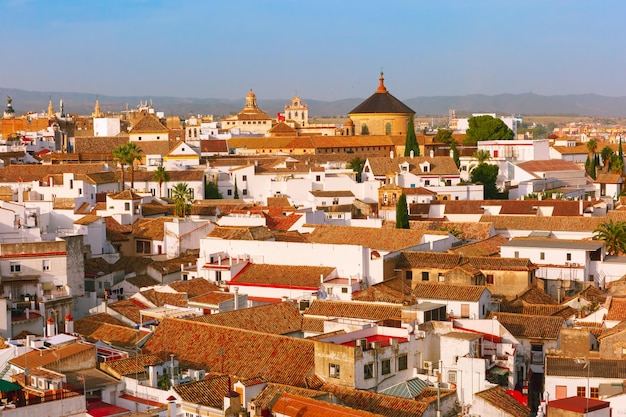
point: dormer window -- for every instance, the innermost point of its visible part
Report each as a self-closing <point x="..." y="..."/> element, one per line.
<point x="404" y="167"/>
<point x="425" y="166"/>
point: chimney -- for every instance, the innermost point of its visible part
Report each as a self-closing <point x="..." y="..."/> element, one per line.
<point x="432" y="153"/>
<point x="412" y="154"/>
<point x="69" y="324"/>
<point x="27" y="312"/>
<point x="451" y="153"/>
<point x="321" y="278"/>
<point x="50" y="327"/>
<point x="182" y="267"/>
<point x="232" y="404"/>
<point x="219" y="260"/>
<point x="236" y="298"/>
<point x="580" y="206"/>
<point x="391" y="154"/>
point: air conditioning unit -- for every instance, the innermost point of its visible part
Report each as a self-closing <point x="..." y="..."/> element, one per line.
<point x="574" y="264"/>
<point x="567" y="263"/>
<point x="428" y="365"/>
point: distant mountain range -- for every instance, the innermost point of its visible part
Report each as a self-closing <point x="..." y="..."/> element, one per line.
<point x="524" y="104"/>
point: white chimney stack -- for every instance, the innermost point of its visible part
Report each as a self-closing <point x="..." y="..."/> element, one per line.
<point x="27" y="312"/>
<point x="50" y="327"/>
<point x="236" y="289"/>
<point x="391" y="154"/>
<point x="432" y="153"/>
<point x="69" y="324"/>
<point x="412" y="154"/>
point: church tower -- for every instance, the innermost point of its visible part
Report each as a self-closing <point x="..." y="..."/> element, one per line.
<point x="297" y="111"/>
<point x="96" y="110"/>
<point x="50" y="113"/>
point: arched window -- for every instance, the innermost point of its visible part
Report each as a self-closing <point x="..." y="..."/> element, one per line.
<point x="388" y="128"/>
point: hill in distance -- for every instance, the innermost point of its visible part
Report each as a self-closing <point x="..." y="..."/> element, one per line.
<point x="525" y="104"/>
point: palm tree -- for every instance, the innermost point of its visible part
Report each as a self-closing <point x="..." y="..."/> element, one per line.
<point x="181" y="194"/>
<point x="592" y="147"/>
<point x="606" y="153"/>
<point x="481" y="156"/>
<point x="161" y="176"/>
<point x="132" y="154"/>
<point x="119" y="157"/>
<point x="614" y="235"/>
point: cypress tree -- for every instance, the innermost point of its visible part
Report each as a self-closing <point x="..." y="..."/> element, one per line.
<point x="236" y="192"/>
<point x="411" y="140"/>
<point x="402" y="213"/>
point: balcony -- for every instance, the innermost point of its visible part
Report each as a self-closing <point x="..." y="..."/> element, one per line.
<point x="536" y="357"/>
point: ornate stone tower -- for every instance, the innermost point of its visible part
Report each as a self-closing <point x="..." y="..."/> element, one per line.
<point x="297" y="111"/>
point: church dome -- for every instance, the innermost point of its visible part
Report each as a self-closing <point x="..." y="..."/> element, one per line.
<point x="382" y="102"/>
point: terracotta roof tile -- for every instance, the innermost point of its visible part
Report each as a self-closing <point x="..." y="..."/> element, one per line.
<point x="487" y="247"/>
<point x="143" y="280"/>
<point x="298" y="276"/>
<point x="193" y="287"/>
<point x="353" y="309"/>
<point x="240" y="233"/>
<point x="373" y="238"/>
<point x="214" y="145"/>
<point x="442" y="291"/>
<point x="129" y="308"/>
<point x="291" y="405"/>
<point x="617" y="309"/>
<point x="533" y="327"/>
<point x="131" y="365"/>
<point x="245" y="353"/>
<point x="280" y="318"/>
<point x="98" y="144"/>
<point x="500" y="399"/>
<point x="46" y="357"/>
<point x="439" y="165"/>
<point x="159" y="298"/>
<point x="267" y="397"/>
<point x="395" y="290"/>
<point x="148" y="124"/>
<point x="551" y="223"/>
<point x="595" y="368"/>
<point x="468" y="230"/>
<point x="209" y="392"/>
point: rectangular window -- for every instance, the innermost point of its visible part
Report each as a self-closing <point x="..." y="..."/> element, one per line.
<point x="560" y="392"/>
<point x="368" y="371"/>
<point x="425" y="276"/>
<point x="218" y="276"/>
<point x="344" y="290"/>
<point x="569" y="257"/>
<point x="403" y="361"/>
<point x="333" y="370"/>
<point x="408" y="275"/>
<point x="385" y="367"/>
<point x="465" y="310"/>
<point x="318" y="178"/>
<point x="594" y="392"/>
<point x="489" y="278"/>
<point x="542" y="256"/>
<point x="126" y="206"/>
<point x="16" y="267"/>
<point x="516" y="254"/>
<point x="45" y="265"/>
<point x="244" y="191"/>
<point x="244" y="178"/>
<point x="452" y="377"/>
<point x="229" y="192"/>
<point x="581" y="391"/>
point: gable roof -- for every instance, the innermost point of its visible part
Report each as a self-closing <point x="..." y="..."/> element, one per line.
<point x="530" y="327"/>
<point x="395" y="290"/>
<point x="279" y="318"/>
<point x="296" y="276"/>
<point x="549" y="165"/>
<point x="44" y="357"/>
<point x="214" y="145"/>
<point x="353" y="309"/>
<point x="245" y="353"/>
<point x="560" y="223"/>
<point x="209" y="392"/>
<point x="439" y="165"/>
<point x="291" y="405"/>
<point x="193" y="287"/>
<point x="148" y="124"/>
<point x="594" y="368"/>
<point x="373" y="238"/>
<point x="487" y="247"/>
<point x="442" y="291"/>
<point x="129" y="308"/>
<point x="500" y="399"/>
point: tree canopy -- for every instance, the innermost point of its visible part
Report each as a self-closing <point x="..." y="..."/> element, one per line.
<point x="402" y="213"/>
<point x="486" y="128"/>
<point x="181" y="194"/>
<point x="614" y="235"/>
<point x="444" y="136"/>
<point x="357" y="164"/>
<point x="486" y="175"/>
<point x="161" y="175"/>
<point x="126" y="155"/>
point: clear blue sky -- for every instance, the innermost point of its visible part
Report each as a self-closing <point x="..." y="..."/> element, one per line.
<point x="319" y="49"/>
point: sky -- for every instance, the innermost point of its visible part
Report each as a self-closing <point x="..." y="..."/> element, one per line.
<point x="319" y="49"/>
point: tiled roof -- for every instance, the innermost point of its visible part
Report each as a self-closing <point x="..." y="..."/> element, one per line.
<point x="382" y="102"/>
<point x="321" y="193"/>
<point x="353" y="309"/>
<point x="155" y="147"/>
<point x="128" y="308"/>
<point x="283" y="275"/>
<point x="313" y="324"/>
<point x="115" y="231"/>
<point x="488" y="247"/>
<point x="418" y="259"/>
<point x="143" y="280"/>
<point x="98" y="318"/>
<point x="159" y="298"/>
<point x="126" y="195"/>
<point x="531" y="327"/>
<point x="283" y="128"/>
<point x="34" y="172"/>
<point x="111" y="334"/>
<point x="130" y="264"/>
<point x="516" y="207"/>
<point x="439" y="165"/>
<point x="548" y="165"/>
<point x="172" y="265"/>
<point x="534" y="295"/>
<point x="291" y="405"/>
<point x="595" y="368"/>
<point x="442" y="291"/>
<point x="521" y="307"/>
<point x="617" y="309"/>
<point x="551" y="223"/>
<point x="395" y="290"/>
<point x="267" y="397"/>
<point x="469" y="230"/>
<point x="608" y="179"/>
<point x="87" y="220"/>
<point x="500" y="399"/>
<point x="240" y="233"/>
<point x="131" y="365"/>
<point x="280" y="318"/>
<point x="208" y="392"/>
<point x="175" y="176"/>
<point x="373" y="238"/>
<point x="94" y="266"/>
<point x="148" y="124"/>
<point x="151" y="229"/>
<point x="193" y="287"/>
<point x="98" y="144"/>
<point x="278" y="202"/>
<point x="382" y="404"/>
<point x="45" y="357"/>
<point x="239" y="352"/>
<point x="212" y="298"/>
<point x="493" y="263"/>
<point x="213" y="145"/>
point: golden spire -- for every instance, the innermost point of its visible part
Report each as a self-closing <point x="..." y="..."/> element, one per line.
<point x="96" y="110"/>
<point x="50" y="109"/>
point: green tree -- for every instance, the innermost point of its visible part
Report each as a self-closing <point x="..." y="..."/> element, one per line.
<point x="606" y="153"/>
<point x="212" y="191"/>
<point x="133" y="154"/>
<point x="455" y="154"/>
<point x="181" y="194"/>
<point x="444" y="136"/>
<point x="402" y="213"/>
<point x="119" y="157"/>
<point x="364" y="130"/>
<point x="592" y="147"/>
<point x="487" y="175"/>
<point x="620" y="151"/>
<point x="357" y="164"/>
<point x="410" y="144"/>
<point x="616" y="164"/>
<point x="614" y="235"/>
<point x="486" y="128"/>
<point x="236" y="192"/>
<point x="481" y="156"/>
<point x="161" y="176"/>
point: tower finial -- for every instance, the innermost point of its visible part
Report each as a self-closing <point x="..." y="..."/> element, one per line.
<point x="381" y="87"/>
